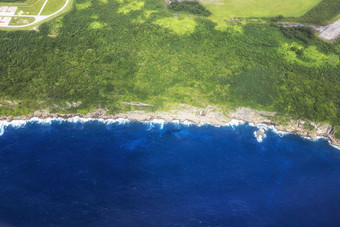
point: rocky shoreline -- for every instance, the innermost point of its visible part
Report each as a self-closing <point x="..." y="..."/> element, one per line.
<point x="210" y="115"/>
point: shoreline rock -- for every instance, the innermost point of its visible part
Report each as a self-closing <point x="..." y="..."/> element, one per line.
<point x="211" y="115"/>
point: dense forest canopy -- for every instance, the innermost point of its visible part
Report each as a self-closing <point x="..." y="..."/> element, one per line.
<point x="105" y="52"/>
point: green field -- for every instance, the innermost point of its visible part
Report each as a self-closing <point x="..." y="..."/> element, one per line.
<point x="259" y="8"/>
<point x="53" y="6"/>
<point x="21" y="20"/>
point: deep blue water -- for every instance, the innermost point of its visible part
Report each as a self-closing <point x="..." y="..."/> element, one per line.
<point x="138" y="174"/>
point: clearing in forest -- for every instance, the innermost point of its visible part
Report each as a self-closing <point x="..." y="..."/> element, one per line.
<point x="259" y="8"/>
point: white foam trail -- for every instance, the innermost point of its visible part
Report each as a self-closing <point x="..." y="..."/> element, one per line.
<point x="14" y="124"/>
<point x="273" y="129"/>
<point x="336" y="147"/>
<point x="176" y="122"/>
<point x="282" y="133"/>
<point x="208" y="124"/>
<point x="187" y="123"/>
<point x="2" y="130"/>
<point x="161" y="122"/>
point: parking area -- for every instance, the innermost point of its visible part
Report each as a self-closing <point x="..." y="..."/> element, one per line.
<point x="4" y="21"/>
<point x="8" y="10"/>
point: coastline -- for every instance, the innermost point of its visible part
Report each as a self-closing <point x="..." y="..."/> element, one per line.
<point x="191" y="115"/>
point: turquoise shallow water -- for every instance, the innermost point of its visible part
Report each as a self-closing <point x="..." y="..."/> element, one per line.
<point x="144" y="174"/>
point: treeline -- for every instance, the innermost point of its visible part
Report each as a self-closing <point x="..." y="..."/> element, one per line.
<point x="189" y="6"/>
<point x="304" y="34"/>
<point x="133" y="59"/>
<point x="322" y="13"/>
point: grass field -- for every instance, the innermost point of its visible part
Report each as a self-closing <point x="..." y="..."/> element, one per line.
<point x="21" y="20"/>
<point x="52" y="6"/>
<point x="259" y="8"/>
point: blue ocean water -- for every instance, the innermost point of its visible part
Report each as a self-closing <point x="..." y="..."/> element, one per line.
<point x="144" y="174"/>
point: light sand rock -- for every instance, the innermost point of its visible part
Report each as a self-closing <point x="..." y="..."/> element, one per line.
<point x="211" y="115"/>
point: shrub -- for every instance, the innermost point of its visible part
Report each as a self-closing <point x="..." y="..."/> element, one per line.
<point x="192" y="7"/>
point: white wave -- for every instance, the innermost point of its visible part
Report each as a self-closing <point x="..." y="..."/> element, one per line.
<point x="260" y="138"/>
<point x="234" y="122"/>
<point x="2" y="130"/>
<point x="187" y="123"/>
<point x="175" y="122"/>
<point x="283" y="133"/>
<point x="159" y="122"/>
<point x="14" y="124"/>
<point x="155" y="122"/>
<point x="336" y="147"/>
<point x="273" y="129"/>
<point x="208" y="124"/>
<point x="121" y="121"/>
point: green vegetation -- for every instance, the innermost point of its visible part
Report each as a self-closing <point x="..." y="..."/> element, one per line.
<point x="53" y="6"/>
<point x="323" y="13"/>
<point x="337" y="132"/>
<point x="192" y="7"/>
<point x="21" y="20"/>
<point x="103" y="53"/>
<point x="259" y="8"/>
<point x="308" y="126"/>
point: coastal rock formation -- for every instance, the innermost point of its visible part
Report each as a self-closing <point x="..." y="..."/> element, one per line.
<point x="209" y="115"/>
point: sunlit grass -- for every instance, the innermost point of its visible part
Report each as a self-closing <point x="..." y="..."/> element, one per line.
<point x="96" y="25"/>
<point x="84" y="5"/>
<point x="135" y="5"/>
<point x="53" y="6"/>
<point x="258" y="8"/>
<point x="309" y="57"/>
<point x="180" y="25"/>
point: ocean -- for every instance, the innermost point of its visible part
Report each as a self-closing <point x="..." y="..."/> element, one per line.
<point x="121" y="173"/>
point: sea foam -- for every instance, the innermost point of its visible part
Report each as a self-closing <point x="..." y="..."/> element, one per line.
<point x="160" y="122"/>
